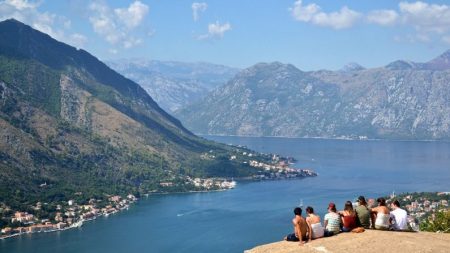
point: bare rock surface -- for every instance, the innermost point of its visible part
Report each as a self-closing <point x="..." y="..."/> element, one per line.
<point x="368" y="241"/>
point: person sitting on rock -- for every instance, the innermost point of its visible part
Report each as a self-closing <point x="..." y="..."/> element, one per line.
<point x="348" y="217"/>
<point x="331" y="221"/>
<point x="399" y="217"/>
<point x="300" y="228"/>
<point x="362" y="213"/>
<point x="380" y="215"/>
<point x="314" y="224"/>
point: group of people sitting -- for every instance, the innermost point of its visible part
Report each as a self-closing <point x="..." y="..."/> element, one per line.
<point x="363" y="216"/>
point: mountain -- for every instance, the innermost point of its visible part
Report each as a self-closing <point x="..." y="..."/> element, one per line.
<point x="441" y="62"/>
<point x="402" y="65"/>
<point x="352" y="66"/>
<point x="403" y="100"/>
<point x="172" y="84"/>
<point x="72" y="127"/>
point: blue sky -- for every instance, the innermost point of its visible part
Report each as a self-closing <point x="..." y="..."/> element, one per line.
<point x="312" y="35"/>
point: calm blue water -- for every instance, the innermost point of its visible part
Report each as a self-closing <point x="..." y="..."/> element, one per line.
<point x="256" y="213"/>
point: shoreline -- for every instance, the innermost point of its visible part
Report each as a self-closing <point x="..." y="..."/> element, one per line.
<point x="45" y="231"/>
<point x="324" y="138"/>
<point x="79" y="223"/>
<point x="105" y="215"/>
<point x="146" y="195"/>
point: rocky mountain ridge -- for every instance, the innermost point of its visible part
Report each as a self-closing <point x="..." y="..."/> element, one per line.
<point x="403" y="100"/>
<point x="172" y="84"/>
<point x="71" y="127"/>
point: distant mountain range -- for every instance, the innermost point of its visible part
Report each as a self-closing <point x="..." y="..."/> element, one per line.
<point x="402" y="100"/>
<point x="70" y="125"/>
<point x="174" y="85"/>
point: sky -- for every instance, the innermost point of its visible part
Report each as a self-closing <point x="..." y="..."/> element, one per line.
<point x="311" y="34"/>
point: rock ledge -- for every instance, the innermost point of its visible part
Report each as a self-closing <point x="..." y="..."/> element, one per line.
<point x="368" y="241"/>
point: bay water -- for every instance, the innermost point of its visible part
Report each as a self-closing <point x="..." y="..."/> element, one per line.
<point x="256" y="213"/>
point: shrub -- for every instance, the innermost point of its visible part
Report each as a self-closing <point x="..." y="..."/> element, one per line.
<point x="440" y="222"/>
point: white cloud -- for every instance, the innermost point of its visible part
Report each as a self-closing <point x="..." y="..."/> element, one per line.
<point x="117" y="26"/>
<point x="132" y="42"/>
<point x="312" y="13"/>
<point x="424" y="17"/>
<point x="383" y="17"/>
<point x="216" y="31"/>
<point x="197" y="8"/>
<point x="345" y="18"/>
<point x="22" y="4"/>
<point x="54" y="25"/>
<point x="304" y="13"/>
<point x="133" y="15"/>
<point x="77" y="39"/>
<point x="430" y="22"/>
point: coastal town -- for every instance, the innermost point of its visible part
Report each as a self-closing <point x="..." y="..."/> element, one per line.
<point x="275" y="167"/>
<point x="68" y="215"/>
<point x="280" y="171"/>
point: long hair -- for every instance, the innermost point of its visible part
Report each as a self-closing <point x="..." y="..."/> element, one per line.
<point x="381" y="202"/>
<point x="349" y="207"/>
<point x="362" y="201"/>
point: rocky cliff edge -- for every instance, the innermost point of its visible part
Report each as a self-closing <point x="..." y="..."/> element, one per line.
<point x="368" y="241"/>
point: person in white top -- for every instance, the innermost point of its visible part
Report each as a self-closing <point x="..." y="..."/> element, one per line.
<point x="316" y="229"/>
<point x="398" y="216"/>
<point x="380" y="215"/>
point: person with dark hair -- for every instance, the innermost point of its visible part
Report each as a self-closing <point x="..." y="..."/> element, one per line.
<point x="348" y="217"/>
<point x="380" y="215"/>
<point x="362" y="213"/>
<point x="300" y="228"/>
<point x="398" y="217"/>
<point x="331" y="221"/>
<point x="314" y="225"/>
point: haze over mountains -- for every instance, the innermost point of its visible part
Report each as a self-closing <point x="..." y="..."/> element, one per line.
<point x="70" y="124"/>
<point x="172" y="84"/>
<point x="402" y="100"/>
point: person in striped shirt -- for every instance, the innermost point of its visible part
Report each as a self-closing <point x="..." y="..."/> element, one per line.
<point x="332" y="221"/>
